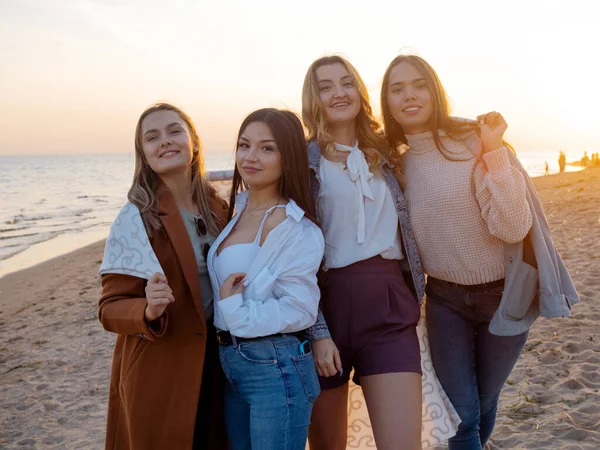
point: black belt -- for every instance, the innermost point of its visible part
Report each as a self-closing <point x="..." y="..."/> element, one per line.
<point x="472" y="287"/>
<point x="224" y="337"/>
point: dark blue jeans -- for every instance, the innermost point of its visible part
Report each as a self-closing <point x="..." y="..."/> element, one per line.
<point x="269" y="394"/>
<point x="471" y="363"/>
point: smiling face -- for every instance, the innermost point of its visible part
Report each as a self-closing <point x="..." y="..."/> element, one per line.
<point x="409" y="98"/>
<point x="166" y="142"/>
<point x="257" y="157"/>
<point x="340" y="99"/>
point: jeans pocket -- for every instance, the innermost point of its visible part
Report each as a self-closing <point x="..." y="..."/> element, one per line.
<point x="497" y="291"/>
<point x="305" y="366"/>
<point x="258" y="352"/>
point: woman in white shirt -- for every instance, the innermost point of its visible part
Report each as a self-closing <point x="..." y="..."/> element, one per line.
<point x="263" y="270"/>
<point x="369" y="308"/>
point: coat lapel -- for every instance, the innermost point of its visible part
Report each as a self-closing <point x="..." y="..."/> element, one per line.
<point x="178" y="235"/>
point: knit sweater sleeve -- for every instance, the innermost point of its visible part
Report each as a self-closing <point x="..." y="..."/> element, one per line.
<point x="501" y="193"/>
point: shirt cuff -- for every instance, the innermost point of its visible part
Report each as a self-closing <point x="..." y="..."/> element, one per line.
<point x="229" y="307"/>
<point x="318" y="332"/>
<point x="497" y="160"/>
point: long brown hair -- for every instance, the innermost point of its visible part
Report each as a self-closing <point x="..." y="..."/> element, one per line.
<point x="440" y="119"/>
<point x="368" y="129"/>
<point x="146" y="183"/>
<point x="295" y="175"/>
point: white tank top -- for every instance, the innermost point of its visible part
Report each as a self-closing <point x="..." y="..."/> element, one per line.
<point x="239" y="257"/>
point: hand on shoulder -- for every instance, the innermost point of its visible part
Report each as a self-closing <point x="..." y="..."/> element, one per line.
<point x="492" y="127"/>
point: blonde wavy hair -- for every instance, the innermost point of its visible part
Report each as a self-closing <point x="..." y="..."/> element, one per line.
<point x="368" y="130"/>
<point x="147" y="184"/>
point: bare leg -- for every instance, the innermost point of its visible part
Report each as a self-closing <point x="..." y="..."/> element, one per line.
<point x="329" y="423"/>
<point x="394" y="405"/>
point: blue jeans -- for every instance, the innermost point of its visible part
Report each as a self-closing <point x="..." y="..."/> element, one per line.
<point x="471" y="363"/>
<point x="269" y="395"/>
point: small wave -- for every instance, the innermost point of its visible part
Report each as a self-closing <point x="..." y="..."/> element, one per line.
<point x="21" y="218"/>
<point x="81" y="212"/>
<point x="10" y="245"/>
<point x="17" y="236"/>
<point x="31" y="219"/>
<point x="4" y="230"/>
<point x="9" y="254"/>
<point x="14" y="220"/>
<point x="43" y="237"/>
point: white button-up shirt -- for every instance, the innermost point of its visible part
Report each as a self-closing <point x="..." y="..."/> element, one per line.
<point x="281" y="293"/>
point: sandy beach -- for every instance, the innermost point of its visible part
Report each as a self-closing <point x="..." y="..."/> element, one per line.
<point x="55" y="357"/>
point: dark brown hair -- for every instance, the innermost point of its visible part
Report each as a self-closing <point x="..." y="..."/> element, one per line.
<point x="295" y="175"/>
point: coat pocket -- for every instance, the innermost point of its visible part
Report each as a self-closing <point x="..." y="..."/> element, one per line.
<point x="522" y="292"/>
<point x="130" y="362"/>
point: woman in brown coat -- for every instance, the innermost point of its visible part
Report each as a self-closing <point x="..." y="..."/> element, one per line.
<point x="156" y="295"/>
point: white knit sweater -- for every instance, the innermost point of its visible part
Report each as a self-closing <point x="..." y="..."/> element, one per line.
<point x="462" y="212"/>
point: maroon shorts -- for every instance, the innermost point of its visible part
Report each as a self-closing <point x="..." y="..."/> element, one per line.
<point x="372" y="316"/>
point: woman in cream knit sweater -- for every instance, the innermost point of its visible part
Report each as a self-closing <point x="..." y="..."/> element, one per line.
<point x="463" y="208"/>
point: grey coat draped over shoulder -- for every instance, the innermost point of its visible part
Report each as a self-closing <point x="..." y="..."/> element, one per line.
<point x="536" y="281"/>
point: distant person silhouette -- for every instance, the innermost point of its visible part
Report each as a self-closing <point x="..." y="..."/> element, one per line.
<point x="584" y="161"/>
<point x="562" y="161"/>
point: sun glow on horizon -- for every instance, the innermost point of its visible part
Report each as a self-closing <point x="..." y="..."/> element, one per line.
<point x="77" y="74"/>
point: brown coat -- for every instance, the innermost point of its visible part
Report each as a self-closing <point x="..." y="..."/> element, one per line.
<point x="157" y="371"/>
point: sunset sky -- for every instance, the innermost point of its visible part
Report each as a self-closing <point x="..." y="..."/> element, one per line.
<point x="76" y="74"/>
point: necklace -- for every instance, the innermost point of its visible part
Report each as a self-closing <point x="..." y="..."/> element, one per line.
<point x="258" y="208"/>
<point x="261" y="207"/>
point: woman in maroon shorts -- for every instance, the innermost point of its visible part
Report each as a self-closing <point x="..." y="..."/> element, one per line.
<point x="370" y="311"/>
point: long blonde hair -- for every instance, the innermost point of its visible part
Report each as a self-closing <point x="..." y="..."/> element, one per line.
<point x="146" y="183"/>
<point x="370" y="139"/>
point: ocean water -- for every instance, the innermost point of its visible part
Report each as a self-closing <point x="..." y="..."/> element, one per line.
<point x="50" y="205"/>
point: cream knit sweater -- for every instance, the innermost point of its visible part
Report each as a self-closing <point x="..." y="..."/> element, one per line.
<point x="462" y="212"/>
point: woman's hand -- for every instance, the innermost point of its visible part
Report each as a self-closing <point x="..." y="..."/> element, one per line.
<point x="492" y="126"/>
<point x="327" y="357"/>
<point x="159" y="295"/>
<point x="233" y="285"/>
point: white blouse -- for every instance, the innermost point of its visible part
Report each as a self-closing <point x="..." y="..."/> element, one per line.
<point x="357" y="212"/>
<point x="281" y="294"/>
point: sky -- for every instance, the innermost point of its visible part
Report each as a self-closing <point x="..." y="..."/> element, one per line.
<point x="76" y="74"/>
